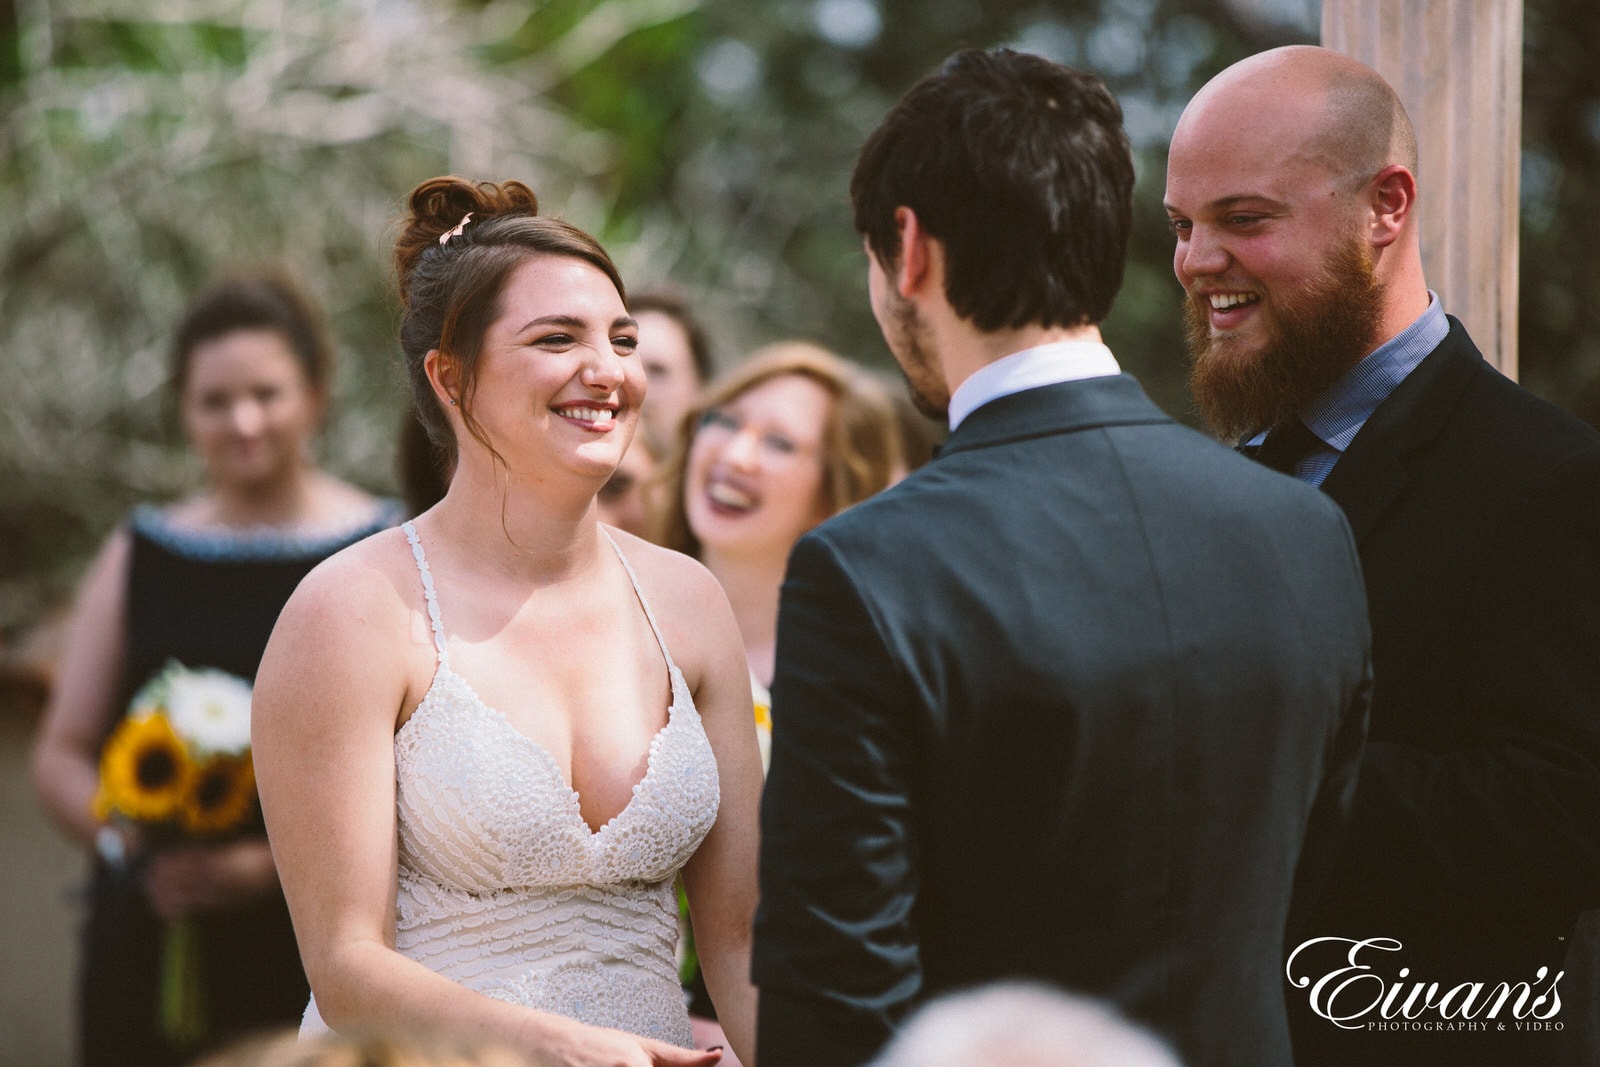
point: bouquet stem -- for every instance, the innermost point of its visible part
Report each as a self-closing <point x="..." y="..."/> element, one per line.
<point x="183" y="1016"/>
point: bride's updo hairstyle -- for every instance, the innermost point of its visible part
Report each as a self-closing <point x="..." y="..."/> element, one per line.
<point x="457" y="247"/>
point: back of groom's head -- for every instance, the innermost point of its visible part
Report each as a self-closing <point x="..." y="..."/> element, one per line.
<point x="1020" y="167"/>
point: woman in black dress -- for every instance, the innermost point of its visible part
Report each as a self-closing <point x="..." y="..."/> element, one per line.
<point x="199" y="582"/>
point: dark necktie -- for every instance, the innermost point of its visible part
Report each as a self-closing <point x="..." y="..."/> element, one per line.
<point x="1287" y="444"/>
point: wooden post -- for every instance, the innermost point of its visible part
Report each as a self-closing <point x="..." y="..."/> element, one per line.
<point x="1457" y="65"/>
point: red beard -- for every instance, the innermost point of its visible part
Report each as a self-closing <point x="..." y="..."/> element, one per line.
<point x="1319" y="332"/>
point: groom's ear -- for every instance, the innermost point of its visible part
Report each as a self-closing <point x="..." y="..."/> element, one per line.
<point x="921" y="261"/>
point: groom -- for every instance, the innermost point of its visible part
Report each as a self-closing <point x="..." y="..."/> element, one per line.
<point x="1080" y="700"/>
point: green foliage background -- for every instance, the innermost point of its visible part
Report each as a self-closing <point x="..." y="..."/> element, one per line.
<point x="146" y="144"/>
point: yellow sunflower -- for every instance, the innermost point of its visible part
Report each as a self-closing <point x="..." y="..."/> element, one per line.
<point x="144" y="772"/>
<point x="221" y="795"/>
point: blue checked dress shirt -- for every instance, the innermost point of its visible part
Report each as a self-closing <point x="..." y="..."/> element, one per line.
<point x="1338" y="414"/>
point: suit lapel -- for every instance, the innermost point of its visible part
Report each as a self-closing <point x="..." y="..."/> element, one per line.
<point x="1376" y="469"/>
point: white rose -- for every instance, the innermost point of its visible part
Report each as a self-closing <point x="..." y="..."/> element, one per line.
<point x="210" y="709"/>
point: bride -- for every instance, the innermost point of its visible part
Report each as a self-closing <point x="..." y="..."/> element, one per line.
<point x="487" y="742"/>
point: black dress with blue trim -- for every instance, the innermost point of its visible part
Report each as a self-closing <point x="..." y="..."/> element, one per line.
<point x="205" y="599"/>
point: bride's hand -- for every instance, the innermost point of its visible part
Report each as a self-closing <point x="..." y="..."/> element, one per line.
<point x="662" y="1055"/>
<point x="588" y="1046"/>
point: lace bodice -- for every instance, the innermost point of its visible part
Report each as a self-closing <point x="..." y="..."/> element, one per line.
<point x="503" y="885"/>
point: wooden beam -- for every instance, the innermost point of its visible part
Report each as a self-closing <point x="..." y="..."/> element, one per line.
<point x="1457" y="65"/>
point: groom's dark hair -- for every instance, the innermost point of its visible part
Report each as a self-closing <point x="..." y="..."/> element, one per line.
<point x="1020" y="167"/>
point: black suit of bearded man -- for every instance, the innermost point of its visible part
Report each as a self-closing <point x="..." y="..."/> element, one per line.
<point x="1061" y="704"/>
<point x="1475" y="836"/>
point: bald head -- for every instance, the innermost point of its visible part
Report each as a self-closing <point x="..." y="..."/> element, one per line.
<point x="1323" y="105"/>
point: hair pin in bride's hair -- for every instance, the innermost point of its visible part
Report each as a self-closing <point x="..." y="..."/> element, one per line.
<point x="460" y="226"/>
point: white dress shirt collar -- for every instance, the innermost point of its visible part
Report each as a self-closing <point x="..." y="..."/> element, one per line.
<point x="1059" y="361"/>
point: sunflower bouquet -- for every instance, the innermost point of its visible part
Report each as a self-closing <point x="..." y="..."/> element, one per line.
<point x="178" y="768"/>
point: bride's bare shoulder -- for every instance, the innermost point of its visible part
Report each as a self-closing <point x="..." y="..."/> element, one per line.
<point x="688" y="603"/>
<point x="375" y="577"/>
<point x="667" y="574"/>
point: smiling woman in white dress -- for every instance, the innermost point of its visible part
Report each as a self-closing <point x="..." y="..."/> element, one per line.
<point x="487" y="742"/>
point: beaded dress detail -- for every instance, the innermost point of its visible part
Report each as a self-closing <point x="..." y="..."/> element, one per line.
<point x="504" y="887"/>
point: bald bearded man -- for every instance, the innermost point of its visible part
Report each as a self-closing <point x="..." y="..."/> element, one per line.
<point x="1316" y="344"/>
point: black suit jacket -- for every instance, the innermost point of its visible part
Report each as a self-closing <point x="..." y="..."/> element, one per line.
<point x="1475" y="836"/>
<point x="1061" y="704"/>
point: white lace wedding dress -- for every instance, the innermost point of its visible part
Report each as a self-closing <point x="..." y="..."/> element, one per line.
<point x="504" y="887"/>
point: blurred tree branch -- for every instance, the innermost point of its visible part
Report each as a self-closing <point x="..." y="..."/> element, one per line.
<point x="146" y="143"/>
